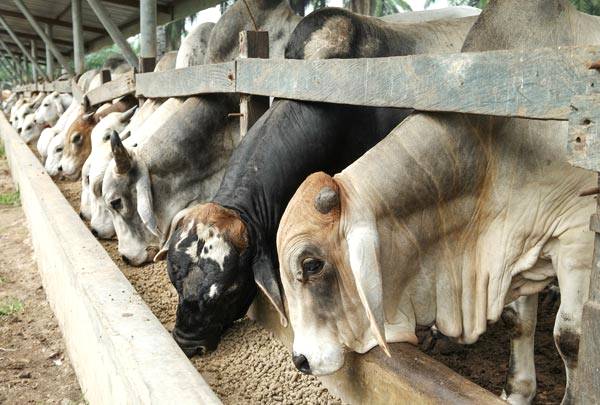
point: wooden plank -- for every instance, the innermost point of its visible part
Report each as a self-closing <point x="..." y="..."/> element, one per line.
<point x="119" y="87"/>
<point x="120" y="351"/>
<point x="77" y="92"/>
<point x="583" y="141"/>
<point x="253" y="44"/>
<point x="516" y="83"/>
<point x="215" y="78"/>
<point x="408" y="377"/>
<point x="62" y="86"/>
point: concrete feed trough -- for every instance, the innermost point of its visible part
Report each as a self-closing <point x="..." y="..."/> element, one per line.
<point x="120" y="351"/>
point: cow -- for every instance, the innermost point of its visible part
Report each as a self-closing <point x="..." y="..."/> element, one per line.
<point x="214" y="249"/>
<point x="142" y="124"/>
<point x="78" y="143"/>
<point x="52" y="107"/>
<point x="448" y="220"/>
<point x="26" y="108"/>
<point x="30" y="129"/>
<point x="88" y="81"/>
<point x="144" y="187"/>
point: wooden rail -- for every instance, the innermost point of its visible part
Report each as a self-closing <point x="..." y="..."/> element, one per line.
<point x="515" y="83"/>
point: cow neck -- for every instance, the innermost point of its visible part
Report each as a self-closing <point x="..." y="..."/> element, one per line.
<point x="291" y="141"/>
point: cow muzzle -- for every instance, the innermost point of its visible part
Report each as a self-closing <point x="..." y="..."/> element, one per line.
<point x="191" y="345"/>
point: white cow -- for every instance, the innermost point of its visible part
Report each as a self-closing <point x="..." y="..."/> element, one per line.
<point x="448" y="220"/>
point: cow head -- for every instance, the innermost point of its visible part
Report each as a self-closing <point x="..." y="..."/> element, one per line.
<point x="54" y="154"/>
<point x="127" y="192"/>
<point x="44" y="141"/>
<point x="77" y="147"/>
<point x="30" y="130"/>
<point x="209" y="263"/>
<point x="50" y="110"/>
<point x="101" y="221"/>
<point x="330" y="274"/>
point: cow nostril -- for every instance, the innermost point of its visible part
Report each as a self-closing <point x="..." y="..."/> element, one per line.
<point x="94" y="232"/>
<point x="60" y="168"/>
<point x="301" y="363"/>
<point x="125" y="259"/>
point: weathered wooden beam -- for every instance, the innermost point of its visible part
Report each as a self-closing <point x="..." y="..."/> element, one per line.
<point x="165" y="9"/>
<point x="26" y="35"/>
<point x="38" y="29"/>
<point x="515" y="83"/>
<point x="49" y="57"/>
<point x="78" y="41"/>
<point x="52" y="21"/>
<point x="583" y="142"/>
<point x="34" y="56"/>
<point x="114" y="32"/>
<point x="215" y="78"/>
<point x="24" y="51"/>
<point x="63" y="86"/>
<point x="253" y="44"/>
<point x="121" y="86"/>
<point x="147" y="36"/>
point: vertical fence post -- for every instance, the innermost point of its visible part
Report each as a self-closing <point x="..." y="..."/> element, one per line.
<point x="78" y="51"/>
<point x="253" y="44"/>
<point x="34" y="56"/>
<point x="147" y="35"/>
<point x="49" y="57"/>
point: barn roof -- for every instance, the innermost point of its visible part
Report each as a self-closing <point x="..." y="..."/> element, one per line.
<point x="57" y="13"/>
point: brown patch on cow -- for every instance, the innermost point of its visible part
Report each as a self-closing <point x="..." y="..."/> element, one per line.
<point x="81" y="151"/>
<point x="568" y="345"/>
<point x="227" y="223"/>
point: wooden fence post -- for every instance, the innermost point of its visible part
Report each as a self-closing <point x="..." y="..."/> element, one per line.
<point x="253" y="44"/>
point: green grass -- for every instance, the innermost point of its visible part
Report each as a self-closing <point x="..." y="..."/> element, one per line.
<point x="10" y="306"/>
<point x="10" y="198"/>
<point x="2" y="153"/>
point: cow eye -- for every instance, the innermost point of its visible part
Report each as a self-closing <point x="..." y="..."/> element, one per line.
<point x="106" y="137"/>
<point x="28" y="127"/>
<point x="46" y="105"/>
<point x="311" y="266"/>
<point x="59" y="149"/>
<point x="116" y="204"/>
<point x="77" y="138"/>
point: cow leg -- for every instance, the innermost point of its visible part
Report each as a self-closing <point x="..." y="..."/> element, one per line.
<point x="573" y="271"/>
<point x="520" y="318"/>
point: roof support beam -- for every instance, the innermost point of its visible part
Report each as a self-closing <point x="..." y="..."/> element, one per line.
<point x="49" y="57"/>
<point x="22" y="48"/>
<point x="113" y="31"/>
<point x="136" y="4"/>
<point x="34" y="75"/>
<point x="25" y="35"/>
<point x="78" y="49"/>
<point x="34" y="24"/>
<point x="147" y="35"/>
<point x="46" y="20"/>
<point x="15" y="65"/>
<point x="9" y="68"/>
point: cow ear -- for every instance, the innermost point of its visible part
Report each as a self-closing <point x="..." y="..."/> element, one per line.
<point x="162" y="253"/>
<point x="145" y="209"/>
<point x="363" y="249"/>
<point x="59" y="107"/>
<point x="266" y="278"/>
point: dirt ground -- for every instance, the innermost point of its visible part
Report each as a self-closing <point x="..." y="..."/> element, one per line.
<point x="266" y="374"/>
<point x="34" y="367"/>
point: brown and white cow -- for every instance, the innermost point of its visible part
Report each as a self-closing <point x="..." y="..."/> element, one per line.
<point x="448" y="220"/>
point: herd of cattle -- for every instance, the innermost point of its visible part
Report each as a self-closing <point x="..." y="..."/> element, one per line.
<point x="432" y="218"/>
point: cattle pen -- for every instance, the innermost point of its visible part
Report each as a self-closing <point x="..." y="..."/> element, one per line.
<point x="118" y="347"/>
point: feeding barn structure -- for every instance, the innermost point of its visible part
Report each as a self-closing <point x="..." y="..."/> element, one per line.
<point x="123" y="359"/>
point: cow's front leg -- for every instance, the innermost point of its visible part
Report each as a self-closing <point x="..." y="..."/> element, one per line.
<point x="520" y="318"/>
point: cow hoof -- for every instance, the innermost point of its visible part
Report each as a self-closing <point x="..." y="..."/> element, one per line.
<point x="515" y="399"/>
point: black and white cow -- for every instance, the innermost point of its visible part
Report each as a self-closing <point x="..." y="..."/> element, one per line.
<point x="217" y="250"/>
<point x="145" y="186"/>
